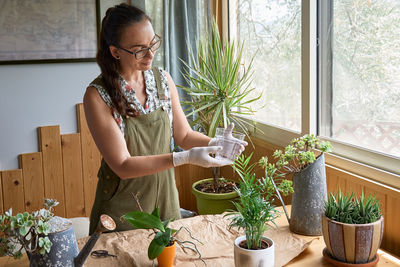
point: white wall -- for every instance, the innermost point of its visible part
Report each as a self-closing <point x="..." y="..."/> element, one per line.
<point x="38" y="95"/>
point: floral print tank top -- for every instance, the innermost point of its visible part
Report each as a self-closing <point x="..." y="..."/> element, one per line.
<point x="152" y="102"/>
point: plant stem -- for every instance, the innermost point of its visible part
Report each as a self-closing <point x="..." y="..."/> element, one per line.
<point x="137" y="200"/>
<point x="280" y="197"/>
<point x="216" y="171"/>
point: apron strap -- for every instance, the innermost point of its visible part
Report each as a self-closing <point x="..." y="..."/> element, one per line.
<point x="157" y="77"/>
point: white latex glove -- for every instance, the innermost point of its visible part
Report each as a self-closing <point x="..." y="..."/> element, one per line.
<point x="228" y="136"/>
<point x="200" y="156"/>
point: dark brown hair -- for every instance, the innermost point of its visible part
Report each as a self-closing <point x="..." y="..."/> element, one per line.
<point x="117" y="18"/>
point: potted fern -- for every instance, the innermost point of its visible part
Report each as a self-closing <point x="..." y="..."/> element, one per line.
<point x="255" y="210"/>
<point x="220" y="91"/>
<point x="352" y="229"/>
<point x="309" y="181"/>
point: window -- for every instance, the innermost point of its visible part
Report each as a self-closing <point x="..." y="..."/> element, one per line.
<point x="360" y="73"/>
<point x="271" y="32"/>
<point x="353" y="53"/>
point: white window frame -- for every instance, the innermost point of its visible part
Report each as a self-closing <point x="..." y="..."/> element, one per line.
<point x="360" y="161"/>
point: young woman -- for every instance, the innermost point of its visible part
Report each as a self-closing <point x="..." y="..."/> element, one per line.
<point x="133" y="111"/>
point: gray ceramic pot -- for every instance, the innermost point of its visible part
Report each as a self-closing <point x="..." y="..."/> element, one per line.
<point x="308" y="198"/>
<point x="62" y="253"/>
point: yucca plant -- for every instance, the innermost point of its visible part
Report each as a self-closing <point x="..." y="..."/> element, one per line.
<point x="254" y="207"/>
<point x="219" y="88"/>
<point x="219" y="85"/>
<point x="352" y="210"/>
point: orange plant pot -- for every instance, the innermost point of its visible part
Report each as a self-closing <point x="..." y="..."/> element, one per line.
<point x="167" y="256"/>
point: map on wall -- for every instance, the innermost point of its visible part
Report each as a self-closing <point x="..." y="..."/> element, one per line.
<point x="47" y="29"/>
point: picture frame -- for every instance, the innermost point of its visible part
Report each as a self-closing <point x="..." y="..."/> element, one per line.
<point x="50" y="31"/>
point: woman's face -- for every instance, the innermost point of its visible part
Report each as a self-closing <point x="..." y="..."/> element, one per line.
<point x="134" y="38"/>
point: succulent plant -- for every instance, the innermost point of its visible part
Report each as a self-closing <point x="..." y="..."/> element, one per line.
<point x="299" y="154"/>
<point x="26" y="231"/>
<point x="350" y="209"/>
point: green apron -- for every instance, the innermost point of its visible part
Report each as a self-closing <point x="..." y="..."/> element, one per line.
<point x="147" y="134"/>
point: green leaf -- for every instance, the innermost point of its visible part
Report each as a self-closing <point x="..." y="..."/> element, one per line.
<point x="41" y="242"/>
<point x="143" y="220"/>
<point x="159" y="242"/>
<point x="22" y="231"/>
<point x="155" y="249"/>
<point x="156" y="213"/>
<point x="165" y="223"/>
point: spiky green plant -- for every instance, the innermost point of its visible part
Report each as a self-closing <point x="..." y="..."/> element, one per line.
<point x="254" y="207"/>
<point x="350" y="209"/>
<point x="219" y="86"/>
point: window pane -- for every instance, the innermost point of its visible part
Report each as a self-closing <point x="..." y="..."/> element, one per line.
<point x="271" y="31"/>
<point x="365" y="88"/>
<point x="155" y="10"/>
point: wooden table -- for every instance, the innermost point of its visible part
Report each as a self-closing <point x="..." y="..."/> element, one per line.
<point x="311" y="257"/>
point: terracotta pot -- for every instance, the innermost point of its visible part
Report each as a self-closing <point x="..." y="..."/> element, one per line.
<point x="254" y="258"/>
<point x="167" y="256"/>
<point x="352" y="243"/>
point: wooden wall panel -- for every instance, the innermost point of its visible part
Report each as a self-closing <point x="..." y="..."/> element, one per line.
<point x="32" y="172"/>
<point x="90" y="160"/>
<point x="1" y="195"/>
<point x="50" y="145"/>
<point x="392" y="233"/>
<point x="354" y="187"/>
<point x="185" y="176"/>
<point x="13" y="190"/>
<point x="72" y="172"/>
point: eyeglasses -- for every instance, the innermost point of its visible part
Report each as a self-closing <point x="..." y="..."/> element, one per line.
<point x="143" y="52"/>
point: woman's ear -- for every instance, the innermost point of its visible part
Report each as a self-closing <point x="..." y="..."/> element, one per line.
<point x="114" y="52"/>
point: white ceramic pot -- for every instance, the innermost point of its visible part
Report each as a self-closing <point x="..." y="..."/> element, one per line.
<point x="256" y="258"/>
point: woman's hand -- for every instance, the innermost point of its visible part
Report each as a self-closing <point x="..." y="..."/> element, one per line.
<point x="200" y="156"/>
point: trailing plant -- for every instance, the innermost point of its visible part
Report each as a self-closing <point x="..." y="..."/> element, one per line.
<point x="352" y="210"/>
<point x="26" y="231"/>
<point x="163" y="235"/>
<point x="300" y="153"/>
<point x="255" y="207"/>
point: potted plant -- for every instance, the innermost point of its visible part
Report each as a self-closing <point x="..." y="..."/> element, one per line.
<point x="165" y="239"/>
<point x="254" y="211"/>
<point x="47" y="239"/>
<point x="220" y="91"/>
<point x="309" y="181"/>
<point x="352" y="229"/>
